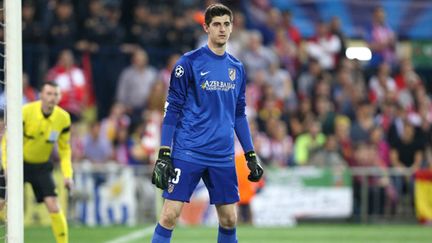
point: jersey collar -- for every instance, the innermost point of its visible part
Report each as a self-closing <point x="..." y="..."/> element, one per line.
<point x="211" y="53"/>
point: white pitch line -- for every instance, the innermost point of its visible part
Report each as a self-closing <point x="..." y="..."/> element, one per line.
<point x="133" y="236"/>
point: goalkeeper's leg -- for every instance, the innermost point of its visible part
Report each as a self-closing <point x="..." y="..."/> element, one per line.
<point x="222" y="185"/>
<point x="227" y="214"/>
<point x="170" y="213"/>
<point x="179" y="191"/>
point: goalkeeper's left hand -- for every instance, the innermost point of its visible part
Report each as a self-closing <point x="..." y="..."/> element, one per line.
<point x="254" y="165"/>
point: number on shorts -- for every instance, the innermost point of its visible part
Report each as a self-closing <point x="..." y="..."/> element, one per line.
<point x="177" y="178"/>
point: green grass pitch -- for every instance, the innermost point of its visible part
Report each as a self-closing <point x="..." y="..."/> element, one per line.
<point x="316" y="233"/>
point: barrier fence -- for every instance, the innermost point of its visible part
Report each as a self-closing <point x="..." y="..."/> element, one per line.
<point x="383" y="195"/>
<point x="110" y="194"/>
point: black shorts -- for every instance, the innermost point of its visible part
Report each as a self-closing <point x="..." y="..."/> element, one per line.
<point x="40" y="178"/>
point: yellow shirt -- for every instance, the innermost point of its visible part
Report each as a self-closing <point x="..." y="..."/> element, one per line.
<point x="42" y="133"/>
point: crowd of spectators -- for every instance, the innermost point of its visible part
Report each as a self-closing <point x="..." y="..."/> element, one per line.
<point x="307" y="103"/>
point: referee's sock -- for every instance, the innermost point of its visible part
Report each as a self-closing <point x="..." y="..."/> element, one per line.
<point x="161" y="235"/>
<point x="227" y="235"/>
<point x="59" y="227"/>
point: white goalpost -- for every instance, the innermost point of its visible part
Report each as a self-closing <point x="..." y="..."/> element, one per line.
<point x="14" y="124"/>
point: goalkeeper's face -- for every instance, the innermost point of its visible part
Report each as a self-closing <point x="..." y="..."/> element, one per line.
<point x="50" y="96"/>
<point x="219" y="30"/>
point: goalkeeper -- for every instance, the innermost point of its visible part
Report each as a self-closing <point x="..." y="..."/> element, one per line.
<point x="205" y="105"/>
<point x="44" y="125"/>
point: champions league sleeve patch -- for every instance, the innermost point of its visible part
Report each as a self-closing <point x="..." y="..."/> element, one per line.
<point x="178" y="71"/>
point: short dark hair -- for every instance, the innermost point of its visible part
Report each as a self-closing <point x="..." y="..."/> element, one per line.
<point x="49" y="83"/>
<point x="217" y="9"/>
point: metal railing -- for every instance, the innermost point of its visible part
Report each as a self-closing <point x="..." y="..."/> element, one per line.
<point x="380" y="195"/>
<point x="383" y="194"/>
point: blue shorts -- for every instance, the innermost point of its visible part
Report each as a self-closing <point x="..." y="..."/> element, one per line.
<point x="221" y="182"/>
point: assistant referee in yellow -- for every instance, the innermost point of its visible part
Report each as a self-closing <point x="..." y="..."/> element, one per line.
<point x="45" y="124"/>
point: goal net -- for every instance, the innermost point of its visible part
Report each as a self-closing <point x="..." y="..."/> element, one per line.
<point x="11" y="103"/>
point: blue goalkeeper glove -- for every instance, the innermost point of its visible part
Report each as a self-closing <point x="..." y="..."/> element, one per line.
<point x="163" y="170"/>
<point x="254" y="165"/>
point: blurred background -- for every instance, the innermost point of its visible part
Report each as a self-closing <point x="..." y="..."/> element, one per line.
<point x="338" y="100"/>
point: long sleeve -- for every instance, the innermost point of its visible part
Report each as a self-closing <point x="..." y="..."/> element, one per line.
<point x="177" y="93"/>
<point x="65" y="153"/>
<point x="241" y="125"/>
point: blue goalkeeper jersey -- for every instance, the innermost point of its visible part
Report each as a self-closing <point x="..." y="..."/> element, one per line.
<point x="207" y="92"/>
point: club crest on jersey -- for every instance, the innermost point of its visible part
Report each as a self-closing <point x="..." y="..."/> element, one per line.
<point x="232" y="73"/>
<point x="170" y="188"/>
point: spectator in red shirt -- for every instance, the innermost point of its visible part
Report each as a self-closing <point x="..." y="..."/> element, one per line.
<point x="71" y="80"/>
<point x="293" y="32"/>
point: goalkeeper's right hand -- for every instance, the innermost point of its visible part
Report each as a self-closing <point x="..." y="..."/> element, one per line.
<point x="163" y="170"/>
